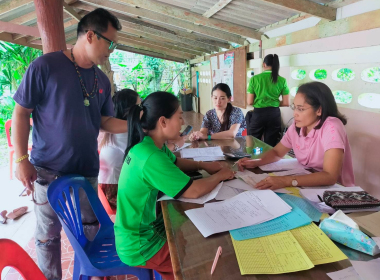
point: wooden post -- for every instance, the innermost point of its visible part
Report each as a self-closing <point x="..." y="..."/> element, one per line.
<point x="50" y="24"/>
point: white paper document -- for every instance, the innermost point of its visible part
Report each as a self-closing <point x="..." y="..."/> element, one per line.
<point x="184" y="146"/>
<point x="282" y="164"/>
<point x="239" y="211"/>
<point x="238" y="184"/>
<point x="298" y="171"/>
<point x="348" y="273"/>
<point x="367" y="270"/>
<point x="200" y="200"/>
<point x="202" y="152"/>
<point x="209" y="158"/>
<point x="250" y="178"/>
<point x="227" y="192"/>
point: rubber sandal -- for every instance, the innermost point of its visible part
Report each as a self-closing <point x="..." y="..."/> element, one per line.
<point x="17" y="213"/>
<point x="3" y="216"/>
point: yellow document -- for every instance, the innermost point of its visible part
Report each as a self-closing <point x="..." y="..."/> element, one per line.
<point x="294" y="191"/>
<point x="324" y="216"/>
<point x="273" y="254"/>
<point x="317" y="245"/>
<point x="289" y="251"/>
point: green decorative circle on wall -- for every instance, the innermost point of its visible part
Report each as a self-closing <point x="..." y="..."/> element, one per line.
<point x="320" y="74"/>
<point x="342" y="97"/>
<point x="343" y="75"/>
<point x="298" y="74"/>
<point x="369" y="100"/>
<point x="371" y="75"/>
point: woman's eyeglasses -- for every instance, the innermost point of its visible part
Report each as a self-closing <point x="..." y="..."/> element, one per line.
<point x="298" y="109"/>
<point x="112" y="46"/>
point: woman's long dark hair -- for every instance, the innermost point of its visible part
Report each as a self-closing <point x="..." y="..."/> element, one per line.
<point x="226" y="115"/>
<point x="122" y="100"/>
<point x="157" y="104"/>
<point x="318" y="95"/>
<point x="272" y="61"/>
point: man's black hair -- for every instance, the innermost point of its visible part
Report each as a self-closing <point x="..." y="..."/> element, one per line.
<point x="97" y="20"/>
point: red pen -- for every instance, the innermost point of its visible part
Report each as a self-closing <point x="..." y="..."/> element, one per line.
<point x="218" y="253"/>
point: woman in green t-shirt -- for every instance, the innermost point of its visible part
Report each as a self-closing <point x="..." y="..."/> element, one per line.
<point x="149" y="168"/>
<point x="264" y="93"/>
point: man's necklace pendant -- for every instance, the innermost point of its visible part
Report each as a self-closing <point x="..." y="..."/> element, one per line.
<point x="86" y="102"/>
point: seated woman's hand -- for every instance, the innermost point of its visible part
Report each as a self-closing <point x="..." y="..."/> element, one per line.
<point x="245" y="163"/>
<point x="196" y="135"/>
<point x="180" y="141"/>
<point x="273" y="183"/>
<point x="226" y="174"/>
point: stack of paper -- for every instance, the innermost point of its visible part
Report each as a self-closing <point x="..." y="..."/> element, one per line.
<point x="203" y="154"/>
<point x="246" y="209"/>
<point x="289" y="251"/>
<point x="282" y="164"/>
<point x="296" y="218"/>
<point x="200" y="200"/>
<point x="251" y="178"/>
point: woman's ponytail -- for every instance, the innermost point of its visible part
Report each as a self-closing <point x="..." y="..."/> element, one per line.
<point x="273" y="61"/>
<point x="135" y="132"/>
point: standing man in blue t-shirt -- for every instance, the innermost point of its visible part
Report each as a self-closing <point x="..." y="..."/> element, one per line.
<point x="70" y="100"/>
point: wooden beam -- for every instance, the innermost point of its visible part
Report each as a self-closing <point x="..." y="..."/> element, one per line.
<point x="182" y="38"/>
<point x="161" y="55"/>
<point x="216" y="8"/>
<point x="7" y="6"/>
<point x="366" y="21"/>
<point x="308" y="7"/>
<point x="117" y="7"/>
<point x="197" y="19"/>
<point x="7" y="37"/>
<point x="198" y="59"/>
<point x="25" y="18"/>
<point x="158" y="43"/>
<point x="284" y="22"/>
<point x="153" y="48"/>
<point x="68" y="9"/>
<point x="19" y="29"/>
<point x="341" y="3"/>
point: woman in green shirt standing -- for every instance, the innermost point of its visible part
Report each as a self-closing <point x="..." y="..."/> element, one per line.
<point x="149" y="168"/>
<point x="264" y="93"/>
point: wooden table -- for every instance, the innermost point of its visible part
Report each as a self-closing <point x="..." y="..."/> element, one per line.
<point x="192" y="255"/>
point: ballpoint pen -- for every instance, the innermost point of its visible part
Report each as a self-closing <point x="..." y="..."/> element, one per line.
<point x="218" y="253"/>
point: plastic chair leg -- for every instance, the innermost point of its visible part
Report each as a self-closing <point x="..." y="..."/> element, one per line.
<point x="76" y="272"/>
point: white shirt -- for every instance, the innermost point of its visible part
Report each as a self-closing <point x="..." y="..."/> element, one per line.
<point x="111" y="159"/>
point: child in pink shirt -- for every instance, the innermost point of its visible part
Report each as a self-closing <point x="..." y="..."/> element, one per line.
<point x="319" y="141"/>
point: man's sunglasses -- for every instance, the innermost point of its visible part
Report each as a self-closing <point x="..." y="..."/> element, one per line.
<point x="113" y="45"/>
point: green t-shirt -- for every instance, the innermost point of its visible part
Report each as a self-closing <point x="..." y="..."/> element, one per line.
<point x="139" y="233"/>
<point x="266" y="92"/>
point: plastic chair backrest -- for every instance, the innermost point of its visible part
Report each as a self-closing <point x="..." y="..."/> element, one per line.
<point x="14" y="256"/>
<point x="7" y="127"/>
<point x="63" y="196"/>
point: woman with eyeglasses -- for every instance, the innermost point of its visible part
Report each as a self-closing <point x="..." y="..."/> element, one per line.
<point x="318" y="138"/>
<point x="264" y="93"/>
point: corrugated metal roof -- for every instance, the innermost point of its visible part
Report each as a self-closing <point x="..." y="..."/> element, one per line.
<point x="248" y="14"/>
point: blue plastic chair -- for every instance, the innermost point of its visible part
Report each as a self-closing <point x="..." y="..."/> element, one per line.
<point x="91" y="258"/>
